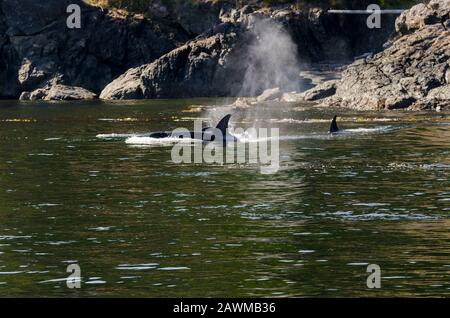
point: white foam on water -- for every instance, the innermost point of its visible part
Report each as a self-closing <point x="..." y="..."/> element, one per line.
<point x="378" y="216"/>
<point x="145" y="140"/>
<point x="41" y="205"/>
<point x="376" y="119"/>
<point x="306" y="251"/>
<point x="57" y="243"/>
<point x="41" y="154"/>
<point x="95" y="282"/>
<point x="118" y="119"/>
<point x="100" y="228"/>
<point x="14" y="237"/>
<point x="298" y="121"/>
<point x="370" y="204"/>
<point x="319" y="120"/>
<point x="367" y="130"/>
<point x="52" y="139"/>
<point x="246" y="138"/>
<point x="186" y="118"/>
<point x="137" y="267"/>
<point x="139" y="140"/>
<point x="414" y="166"/>
<point x="57" y="280"/>
<point x="114" y="136"/>
<point x="435" y="166"/>
<point x="176" y="268"/>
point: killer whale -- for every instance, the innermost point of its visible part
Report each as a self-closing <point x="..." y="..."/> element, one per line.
<point x="208" y="134"/>
<point x="333" y="127"/>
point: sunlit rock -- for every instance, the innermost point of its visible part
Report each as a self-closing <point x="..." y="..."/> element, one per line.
<point x="412" y="72"/>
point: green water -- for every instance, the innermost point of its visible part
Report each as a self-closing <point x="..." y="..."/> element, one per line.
<point x="139" y="225"/>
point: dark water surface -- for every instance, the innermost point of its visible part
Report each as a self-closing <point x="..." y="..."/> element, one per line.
<point x="140" y="225"/>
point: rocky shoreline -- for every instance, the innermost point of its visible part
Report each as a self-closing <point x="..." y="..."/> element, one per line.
<point x="245" y="51"/>
<point x="413" y="72"/>
<point x="38" y="51"/>
<point x="217" y="63"/>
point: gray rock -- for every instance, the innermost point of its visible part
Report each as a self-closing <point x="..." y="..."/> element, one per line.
<point x="410" y="73"/>
<point x="25" y="96"/>
<point x="29" y="17"/>
<point x="398" y="102"/>
<point x="292" y="97"/>
<point x="197" y="17"/>
<point x="36" y="45"/>
<point x="322" y="91"/>
<point x="127" y="86"/>
<point x="214" y="63"/>
<point x="58" y="92"/>
<point x="269" y="94"/>
<point x="63" y="92"/>
<point x="34" y="95"/>
<point x="203" y="67"/>
<point x="440" y="93"/>
<point x="436" y="11"/>
<point x="412" y="19"/>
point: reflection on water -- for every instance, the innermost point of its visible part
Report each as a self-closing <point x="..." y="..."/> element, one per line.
<point x="72" y="191"/>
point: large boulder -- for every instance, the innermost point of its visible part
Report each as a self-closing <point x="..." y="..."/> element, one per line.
<point x="269" y="95"/>
<point x="436" y="11"/>
<point x="322" y="91"/>
<point x="203" y="67"/>
<point x="58" y="92"/>
<point x="412" y="72"/>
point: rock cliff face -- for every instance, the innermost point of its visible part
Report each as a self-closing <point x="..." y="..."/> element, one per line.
<point x="193" y="17"/>
<point x="9" y="86"/>
<point x="203" y="67"/>
<point x="37" y="46"/>
<point x="412" y="72"/>
<point x="197" y="51"/>
<point x="217" y="62"/>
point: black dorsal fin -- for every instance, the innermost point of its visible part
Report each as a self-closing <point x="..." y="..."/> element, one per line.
<point x="223" y="124"/>
<point x="334" y="127"/>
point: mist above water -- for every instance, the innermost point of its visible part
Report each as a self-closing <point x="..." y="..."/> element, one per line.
<point x="271" y="59"/>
